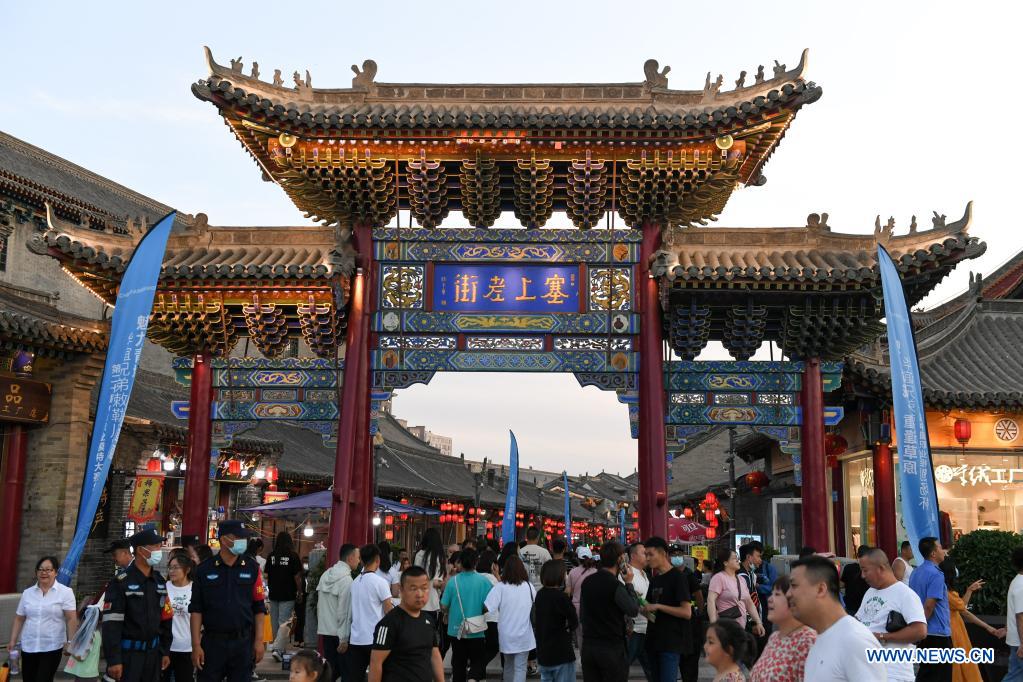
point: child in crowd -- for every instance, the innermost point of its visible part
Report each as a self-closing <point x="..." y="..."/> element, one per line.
<point x="307" y="666"/>
<point x="730" y="649"/>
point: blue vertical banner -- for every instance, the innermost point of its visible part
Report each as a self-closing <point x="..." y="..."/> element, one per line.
<point x="916" y="472"/>
<point x="127" y="338"/>
<point x="568" y="509"/>
<point x="621" y="525"/>
<point x="512" y="496"/>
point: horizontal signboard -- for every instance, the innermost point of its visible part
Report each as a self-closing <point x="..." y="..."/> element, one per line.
<point x="459" y="287"/>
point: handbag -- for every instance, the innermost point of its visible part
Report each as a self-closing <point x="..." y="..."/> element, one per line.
<point x="896" y="621"/>
<point x="471" y="625"/>
<point x="733" y="612"/>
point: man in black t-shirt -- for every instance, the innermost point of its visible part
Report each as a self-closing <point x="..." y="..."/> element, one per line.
<point x="669" y="635"/>
<point x="405" y="644"/>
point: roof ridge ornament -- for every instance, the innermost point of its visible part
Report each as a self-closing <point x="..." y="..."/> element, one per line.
<point x="364" y="79"/>
<point x="654" y="78"/>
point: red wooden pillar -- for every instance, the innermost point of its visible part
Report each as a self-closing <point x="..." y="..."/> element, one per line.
<point x="15" y="449"/>
<point x="342" y="511"/>
<point x="196" y="505"/>
<point x="360" y="525"/>
<point x="884" y="499"/>
<point x="653" y="472"/>
<point x="815" y="489"/>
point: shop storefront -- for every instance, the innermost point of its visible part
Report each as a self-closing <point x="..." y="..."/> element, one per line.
<point x="978" y="470"/>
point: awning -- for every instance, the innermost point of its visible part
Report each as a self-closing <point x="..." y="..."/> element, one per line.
<point x="686" y="531"/>
<point x="320" y="500"/>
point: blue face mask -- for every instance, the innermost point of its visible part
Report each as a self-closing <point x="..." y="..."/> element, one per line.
<point x="239" y="546"/>
<point x="155" y="557"/>
<point x="677" y="561"/>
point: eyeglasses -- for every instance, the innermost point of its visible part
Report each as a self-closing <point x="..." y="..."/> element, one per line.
<point x="45" y="570"/>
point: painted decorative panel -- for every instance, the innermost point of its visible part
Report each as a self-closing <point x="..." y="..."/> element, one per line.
<point x="610" y="288"/>
<point x="505" y="288"/>
<point x="566" y="323"/>
<point x="419" y="342"/>
<point x="402" y="286"/>
<point x="592" y="343"/>
<point x="504" y="343"/>
<point x="506" y="361"/>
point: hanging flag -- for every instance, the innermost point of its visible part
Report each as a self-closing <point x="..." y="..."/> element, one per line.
<point x="916" y="473"/>
<point x="511" y="497"/>
<point x="145" y="497"/>
<point x="568" y="509"/>
<point x="621" y="525"/>
<point x="127" y="338"/>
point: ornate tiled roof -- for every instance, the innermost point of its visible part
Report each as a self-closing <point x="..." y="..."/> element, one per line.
<point x="32" y="176"/>
<point x="44" y="329"/>
<point x="968" y="360"/>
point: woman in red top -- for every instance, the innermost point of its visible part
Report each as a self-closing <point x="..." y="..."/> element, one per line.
<point x="785" y="654"/>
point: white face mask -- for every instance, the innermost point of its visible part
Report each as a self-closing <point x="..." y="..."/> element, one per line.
<point x="155" y="557"/>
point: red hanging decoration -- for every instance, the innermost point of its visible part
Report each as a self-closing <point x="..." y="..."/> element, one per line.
<point x="835" y="444"/>
<point x="154" y="466"/>
<point x="963" y="431"/>
<point x="234" y="467"/>
<point x="687" y="512"/>
<point x="271" y="474"/>
<point x="711" y="533"/>
<point x="757" y="481"/>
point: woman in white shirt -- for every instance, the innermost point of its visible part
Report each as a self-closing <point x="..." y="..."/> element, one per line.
<point x="179" y="591"/>
<point x="46" y="620"/>
<point x="513" y="598"/>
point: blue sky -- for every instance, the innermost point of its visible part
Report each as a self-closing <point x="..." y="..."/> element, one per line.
<point x="915" y="117"/>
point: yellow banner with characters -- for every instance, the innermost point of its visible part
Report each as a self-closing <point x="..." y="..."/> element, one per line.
<point x="145" y="498"/>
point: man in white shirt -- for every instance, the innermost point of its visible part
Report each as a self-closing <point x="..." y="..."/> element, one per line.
<point x="1014" y="620"/>
<point x="840" y="652"/>
<point x="534" y="556"/>
<point x="901" y="566"/>
<point x="371" y="599"/>
<point x="640" y="582"/>
<point x="885" y="596"/>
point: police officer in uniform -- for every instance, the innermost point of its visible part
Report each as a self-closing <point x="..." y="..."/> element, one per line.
<point x="137" y="615"/>
<point x="227" y="610"/>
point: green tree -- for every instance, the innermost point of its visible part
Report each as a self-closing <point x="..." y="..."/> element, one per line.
<point x="984" y="555"/>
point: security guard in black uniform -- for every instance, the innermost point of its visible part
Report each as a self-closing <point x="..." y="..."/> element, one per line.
<point x="137" y="616"/>
<point x="227" y="610"/>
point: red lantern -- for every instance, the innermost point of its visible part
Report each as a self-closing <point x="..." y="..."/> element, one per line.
<point x="154" y="465"/>
<point x="388" y="520"/>
<point x="711" y="499"/>
<point x="687" y="512"/>
<point x="388" y="535"/>
<point x="963" y="430"/>
<point x="757" y="481"/>
<point x="271" y="473"/>
<point x="403" y="517"/>
<point x="234" y="467"/>
<point x="711" y="533"/>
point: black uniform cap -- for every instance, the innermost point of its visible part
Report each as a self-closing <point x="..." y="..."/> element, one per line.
<point x="146" y="537"/>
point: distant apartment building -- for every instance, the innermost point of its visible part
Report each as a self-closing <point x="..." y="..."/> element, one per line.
<point x="442" y="443"/>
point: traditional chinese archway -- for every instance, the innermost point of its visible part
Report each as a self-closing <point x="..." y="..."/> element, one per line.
<point x="637" y="168"/>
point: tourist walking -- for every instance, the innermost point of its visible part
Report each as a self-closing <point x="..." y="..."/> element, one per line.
<point x="284" y="580"/>
<point x="463" y="600"/>
<point x="45" y="620"/>
<point x="432" y="557"/>
<point x="513" y="599"/>
<point x="554" y="622"/>
<point x="728" y="596"/>
<point x="929" y="584"/>
<point x="669" y="634"/>
<point x="486" y="566"/>
<point x="839" y="653"/>
<point x="371" y="600"/>
<point x="636" y="650"/>
<point x="730" y="649"/>
<point x="689" y="664"/>
<point x="334" y="609"/>
<point x="388" y="569"/>
<point x="891" y="611"/>
<point x="137" y="616"/>
<point x="854" y="584"/>
<point x="1014" y="619"/>
<point x="405" y="647"/>
<point x="574" y="582"/>
<point x="784" y="656"/>
<point x="901" y="566"/>
<point x="604" y="605"/>
<point x="534" y="556"/>
<point x="958" y="614"/>
<point x="227" y="610"/>
<point x="179" y="593"/>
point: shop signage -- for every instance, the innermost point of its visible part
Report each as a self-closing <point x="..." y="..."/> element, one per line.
<point x="24" y="400"/>
<point x="145" y="498"/>
<point x="977" y="474"/>
<point x="700" y="552"/>
<point x="271" y="496"/>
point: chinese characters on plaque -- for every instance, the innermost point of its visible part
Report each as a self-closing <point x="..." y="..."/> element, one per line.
<point x="506" y="288"/>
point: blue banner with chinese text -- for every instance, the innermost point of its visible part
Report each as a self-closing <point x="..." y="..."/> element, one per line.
<point x="512" y="495"/>
<point x="497" y="288"/>
<point x="127" y="338"/>
<point x="916" y="477"/>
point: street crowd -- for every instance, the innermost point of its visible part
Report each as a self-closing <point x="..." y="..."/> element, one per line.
<point x="536" y="608"/>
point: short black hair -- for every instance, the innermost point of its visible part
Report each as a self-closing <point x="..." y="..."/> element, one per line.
<point x="558" y="545"/>
<point x="346" y="551"/>
<point x="927" y="546"/>
<point x="757" y="545"/>
<point x="805" y="551"/>
<point x="745" y="551"/>
<point x="633" y="548"/>
<point x="368" y="553"/>
<point x="656" y="542"/>
<point x="820" y="570"/>
<point x="1017" y="559"/>
<point x="412" y="572"/>
<point x="467" y="559"/>
<point x="532" y="533"/>
<point x="610" y="551"/>
<point x="552" y="573"/>
<point x="862" y="550"/>
<point x="904" y="545"/>
<point x="53" y="561"/>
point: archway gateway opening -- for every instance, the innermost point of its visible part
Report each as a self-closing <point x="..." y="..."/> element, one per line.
<point x="386" y="306"/>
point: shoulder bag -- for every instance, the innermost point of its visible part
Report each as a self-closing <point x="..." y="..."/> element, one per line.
<point x="471" y="625"/>
<point x="733" y="612"/>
